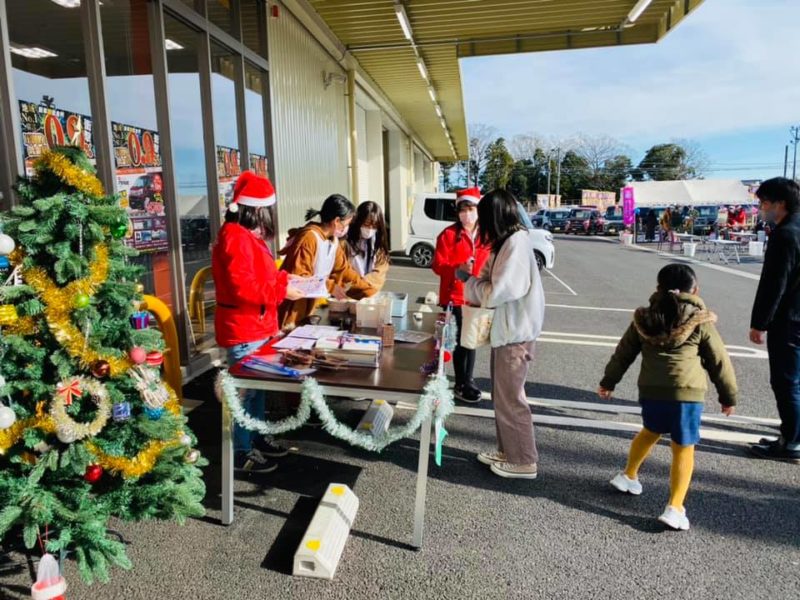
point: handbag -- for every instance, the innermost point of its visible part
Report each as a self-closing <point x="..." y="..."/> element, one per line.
<point x="476" y="326"/>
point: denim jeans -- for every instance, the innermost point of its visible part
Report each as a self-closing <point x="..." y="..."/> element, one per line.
<point x="253" y="401"/>
<point x="783" y="346"/>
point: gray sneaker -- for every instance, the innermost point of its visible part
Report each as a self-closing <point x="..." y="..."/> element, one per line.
<point x="511" y="471"/>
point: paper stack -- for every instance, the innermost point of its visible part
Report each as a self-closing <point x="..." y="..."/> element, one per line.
<point x="357" y="350"/>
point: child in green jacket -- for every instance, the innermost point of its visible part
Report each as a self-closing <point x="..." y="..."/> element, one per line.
<point x="679" y="344"/>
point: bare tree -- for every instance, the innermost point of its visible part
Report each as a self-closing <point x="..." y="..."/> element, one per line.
<point x="696" y="160"/>
<point x="480" y="138"/>
<point x="596" y="150"/>
<point x="524" y="146"/>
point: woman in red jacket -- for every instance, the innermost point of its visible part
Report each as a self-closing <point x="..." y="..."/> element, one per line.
<point x="460" y="244"/>
<point x="249" y="289"/>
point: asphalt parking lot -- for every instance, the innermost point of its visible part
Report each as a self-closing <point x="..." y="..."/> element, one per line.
<point x="564" y="535"/>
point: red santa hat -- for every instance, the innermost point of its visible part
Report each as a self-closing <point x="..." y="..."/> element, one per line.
<point x="471" y="195"/>
<point x="252" y="190"/>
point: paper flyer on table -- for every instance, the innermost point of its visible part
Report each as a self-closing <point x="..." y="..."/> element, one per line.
<point x="311" y="287"/>
<point x="313" y="332"/>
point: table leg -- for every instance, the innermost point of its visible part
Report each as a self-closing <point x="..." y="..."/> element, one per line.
<point x="227" y="466"/>
<point x="422" y="482"/>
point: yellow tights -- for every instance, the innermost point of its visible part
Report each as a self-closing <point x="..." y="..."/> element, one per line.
<point x="682" y="464"/>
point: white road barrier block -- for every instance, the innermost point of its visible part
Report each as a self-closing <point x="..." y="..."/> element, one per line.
<point x="322" y="545"/>
<point x="377" y="418"/>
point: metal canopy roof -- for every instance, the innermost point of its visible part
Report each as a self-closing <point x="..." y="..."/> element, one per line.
<point x="442" y="31"/>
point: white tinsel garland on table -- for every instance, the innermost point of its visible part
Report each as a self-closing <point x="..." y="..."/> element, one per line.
<point x="436" y="401"/>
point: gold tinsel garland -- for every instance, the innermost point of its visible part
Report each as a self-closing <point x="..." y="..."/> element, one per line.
<point x="11" y="435"/>
<point x="145" y="460"/>
<point x="69" y="173"/>
<point x="134" y="467"/>
<point x="59" y="303"/>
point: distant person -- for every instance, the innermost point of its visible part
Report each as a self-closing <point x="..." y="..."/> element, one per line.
<point x="776" y="313"/>
<point x="367" y="244"/>
<point x="677" y="219"/>
<point x="510" y="284"/>
<point x="677" y="339"/>
<point x="651" y="222"/>
<point x="666" y="227"/>
<point x="459" y="244"/>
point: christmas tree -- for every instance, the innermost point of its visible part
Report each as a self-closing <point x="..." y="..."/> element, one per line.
<point x="88" y="428"/>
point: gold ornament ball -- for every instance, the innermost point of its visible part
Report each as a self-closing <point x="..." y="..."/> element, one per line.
<point x="192" y="456"/>
<point x="101" y="369"/>
<point x="139" y="288"/>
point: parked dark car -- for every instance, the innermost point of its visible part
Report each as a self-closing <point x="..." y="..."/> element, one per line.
<point x="613" y="223"/>
<point x="706" y="219"/>
<point x="146" y="189"/>
<point x="551" y="219"/>
<point x="585" y="220"/>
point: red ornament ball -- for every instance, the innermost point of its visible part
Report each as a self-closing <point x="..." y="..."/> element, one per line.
<point x="93" y="473"/>
<point x="155" y="358"/>
<point x="447" y="356"/>
<point x="138" y="355"/>
<point x="101" y="369"/>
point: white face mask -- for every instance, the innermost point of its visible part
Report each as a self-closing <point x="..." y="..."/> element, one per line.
<point x="468" y="217"/>
<point x="367" y="233"/>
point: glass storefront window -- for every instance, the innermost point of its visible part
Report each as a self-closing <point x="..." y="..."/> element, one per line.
<point x="49" y="74"/>
<point x="223" y="98"/>
<point x="136" y="140"/>
<point x="220" y="14"/>
<point x="254" y="26"/>
<point x="254" y="79"/>
<point x="190" y="173"/>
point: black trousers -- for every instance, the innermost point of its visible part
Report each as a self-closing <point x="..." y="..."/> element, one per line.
<point x="463" y="358"/>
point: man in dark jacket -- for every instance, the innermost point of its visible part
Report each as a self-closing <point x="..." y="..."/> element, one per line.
<point x="776" y="313"/>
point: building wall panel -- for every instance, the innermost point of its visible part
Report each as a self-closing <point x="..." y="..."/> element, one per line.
<point x="309" y="122"/>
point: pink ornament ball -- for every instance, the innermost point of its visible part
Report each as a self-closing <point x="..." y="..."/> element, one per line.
<point x="138" y="355"/>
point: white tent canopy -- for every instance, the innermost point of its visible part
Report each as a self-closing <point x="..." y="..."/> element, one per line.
<point x="691" y="192"/>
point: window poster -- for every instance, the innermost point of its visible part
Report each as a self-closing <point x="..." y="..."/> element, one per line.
<point x="137" y="160"/>
<point x="229" y="169"/>
<point x="45" y="126"/>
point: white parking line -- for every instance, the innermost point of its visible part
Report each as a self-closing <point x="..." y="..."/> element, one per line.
<point x="715" y="435"/>
<point x="701" y="263"/>
<point x="583" y="339"/>
<point x="625" y="310"/>
<point x="558" y="279"/>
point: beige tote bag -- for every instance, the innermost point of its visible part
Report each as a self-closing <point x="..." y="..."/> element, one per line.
<point x="476" y="326"/>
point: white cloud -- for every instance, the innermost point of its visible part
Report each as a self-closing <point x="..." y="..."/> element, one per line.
<point x="731" y="65"/>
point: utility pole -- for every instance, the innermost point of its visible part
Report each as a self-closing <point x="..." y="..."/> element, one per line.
<point x="558" y="172"/>
<point x="785" y="159"/>
<point x="795" y="130"/>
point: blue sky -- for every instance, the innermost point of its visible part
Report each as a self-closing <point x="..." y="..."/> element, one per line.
<point x="728" y="78"/>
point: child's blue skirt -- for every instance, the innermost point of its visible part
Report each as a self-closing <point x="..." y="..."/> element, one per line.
<point x="681" y="420"/>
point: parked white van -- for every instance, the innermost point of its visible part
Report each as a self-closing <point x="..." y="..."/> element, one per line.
<point x="431" y="213"/>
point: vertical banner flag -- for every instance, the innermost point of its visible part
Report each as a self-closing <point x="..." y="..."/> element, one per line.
<point x="628" y="207"/>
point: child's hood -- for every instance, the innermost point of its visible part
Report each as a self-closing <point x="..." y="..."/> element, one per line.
<point x="693" y="313"/>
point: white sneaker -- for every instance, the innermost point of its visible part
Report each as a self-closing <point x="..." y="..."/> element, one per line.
<point x="626" y="485"/>
<point x="674" y="518"/>
<point x="489" y="458"/>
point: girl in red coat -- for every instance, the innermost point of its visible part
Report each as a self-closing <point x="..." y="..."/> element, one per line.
<point x="457" y="245"/>
<point x="249" y="289"/>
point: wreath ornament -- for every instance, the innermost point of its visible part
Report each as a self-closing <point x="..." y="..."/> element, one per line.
<point x="67" y="429"/>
